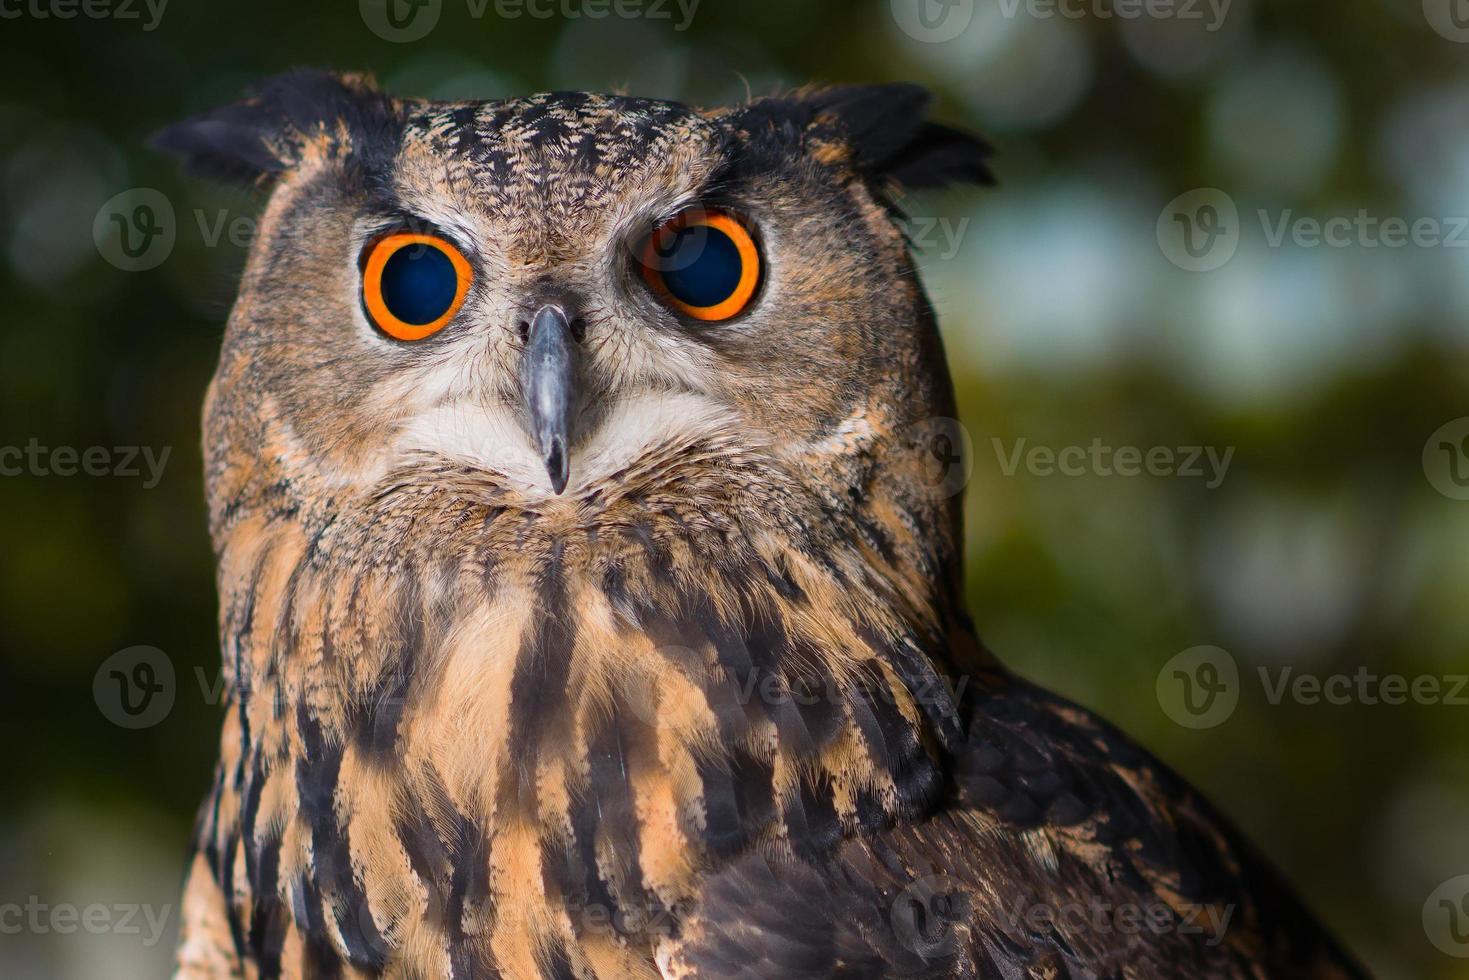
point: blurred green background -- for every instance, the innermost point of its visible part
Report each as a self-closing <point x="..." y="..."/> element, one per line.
<point x="1073" y="313"/>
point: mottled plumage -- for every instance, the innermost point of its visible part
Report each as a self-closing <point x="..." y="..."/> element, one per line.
<point x="715" y="710"/>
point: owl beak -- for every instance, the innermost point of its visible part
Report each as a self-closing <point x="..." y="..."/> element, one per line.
<point x="548" y="383"/>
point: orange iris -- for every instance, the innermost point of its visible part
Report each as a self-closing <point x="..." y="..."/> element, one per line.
<point x="414" y="284"/>
<point x="705" y="264"/>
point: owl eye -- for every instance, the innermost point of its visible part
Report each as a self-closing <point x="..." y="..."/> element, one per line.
<point x="705" y="264"/>
<point x="413" y="284"/>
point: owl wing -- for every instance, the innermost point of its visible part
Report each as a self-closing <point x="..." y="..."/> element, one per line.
<point x="1063" y="851"/>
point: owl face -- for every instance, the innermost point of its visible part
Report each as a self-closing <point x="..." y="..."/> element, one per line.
<point x="550" y="289"/>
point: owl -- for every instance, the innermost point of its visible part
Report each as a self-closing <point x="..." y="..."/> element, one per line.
<point x="589" y="604"/>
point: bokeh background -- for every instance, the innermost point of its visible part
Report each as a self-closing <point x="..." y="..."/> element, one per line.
<point x="1073" y="310"/>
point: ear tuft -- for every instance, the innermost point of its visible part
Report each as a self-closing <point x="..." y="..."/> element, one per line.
<point x="887" y="129"/>
<point x="267" y="134"/>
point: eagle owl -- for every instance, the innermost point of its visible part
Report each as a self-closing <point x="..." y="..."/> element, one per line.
<point x="588" y="605"/>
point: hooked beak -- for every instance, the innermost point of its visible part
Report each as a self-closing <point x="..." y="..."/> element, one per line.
<point x="548" y="383"/>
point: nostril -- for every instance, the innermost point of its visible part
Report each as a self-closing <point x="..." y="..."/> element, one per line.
<point x="578" y="329"/>
<point x="524" y="328"/>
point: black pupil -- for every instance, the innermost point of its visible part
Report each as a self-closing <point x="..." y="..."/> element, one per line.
<point x="419" y="284"/>
<point x="700" y="265"/>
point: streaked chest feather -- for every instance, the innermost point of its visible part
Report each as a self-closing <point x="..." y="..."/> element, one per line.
<point x="471" y="735"/>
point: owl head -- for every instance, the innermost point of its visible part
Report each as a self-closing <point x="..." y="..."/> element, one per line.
<point x="555" y="291"/>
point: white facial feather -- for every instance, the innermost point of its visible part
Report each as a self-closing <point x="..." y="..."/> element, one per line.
<point x="491" y="438"/>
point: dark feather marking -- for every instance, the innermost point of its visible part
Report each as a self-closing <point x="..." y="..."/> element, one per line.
<point x="580" y="880"/>
<point x="317" y="773"/>
<point x="206" y="832"/>
<point x="780" y="578"/>
<point x="268" y="920"/>
<point x="224" y="874"/>
<point x="811" y="819"/>
<point x="814" y="693"/>
<point x="248" y="813"/>
<point x="538" y="695"/>
<point x="930" y="691"/>
<point x="612" y="793"/>
<point x="560" y="966"/>
<point x="375" y="719"/>
<point x="427" y="856"/>
<point x="469" y="886"/>
<point x="322" y="961"/>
